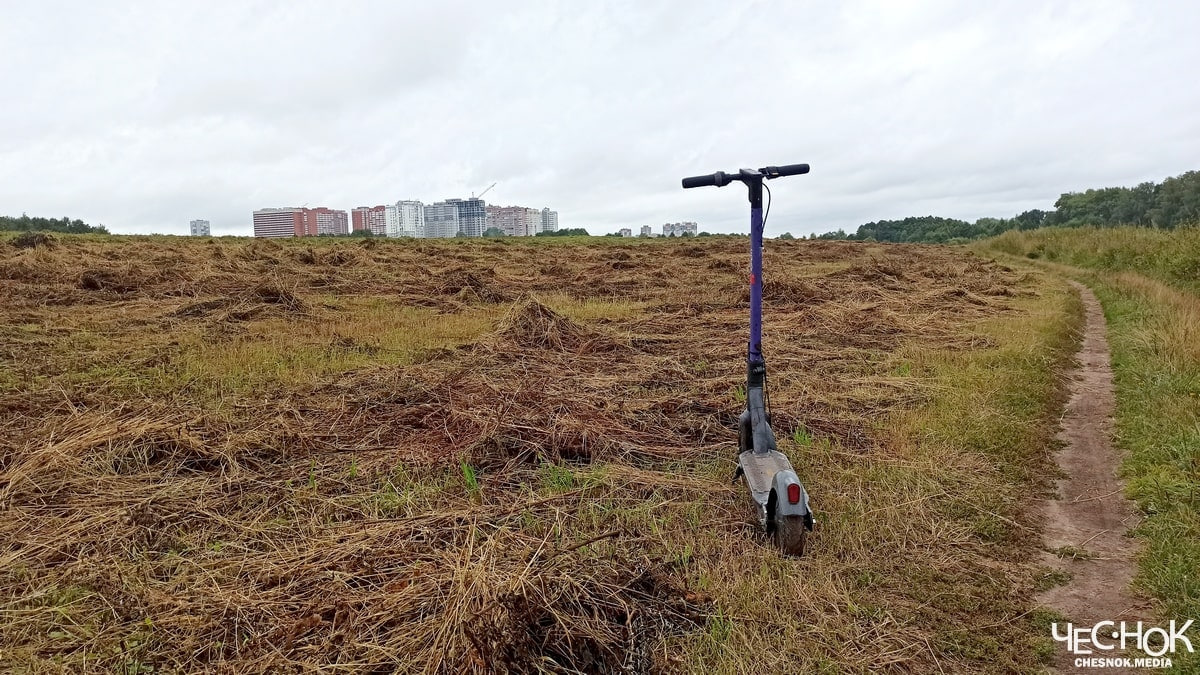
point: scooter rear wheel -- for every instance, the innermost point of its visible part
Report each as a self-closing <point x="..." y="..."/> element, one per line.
<point x="790" y="535"/>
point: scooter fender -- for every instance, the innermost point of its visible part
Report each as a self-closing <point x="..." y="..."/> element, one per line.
<point x="783" y="506"/>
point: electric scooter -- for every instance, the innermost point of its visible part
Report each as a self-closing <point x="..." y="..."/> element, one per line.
<point x="780" y="500"/>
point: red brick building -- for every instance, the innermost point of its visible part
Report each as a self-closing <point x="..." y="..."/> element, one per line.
<point x="299" y="222"/>
<point x="373" y="218"/>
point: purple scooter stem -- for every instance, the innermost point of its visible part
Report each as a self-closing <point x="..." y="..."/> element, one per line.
<point x="754" y="353"/>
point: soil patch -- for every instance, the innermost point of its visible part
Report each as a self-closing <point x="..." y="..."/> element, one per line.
<point x="1087" y="525"/>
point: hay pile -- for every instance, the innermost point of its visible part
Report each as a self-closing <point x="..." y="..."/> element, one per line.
<point x="34" y="240"/>
<point x="467" y="286"/>
<point x="263" y="299"/>
<point x="530" y="325"/>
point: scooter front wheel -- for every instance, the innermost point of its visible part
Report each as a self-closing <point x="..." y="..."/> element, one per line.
<point x="790" y="534"/>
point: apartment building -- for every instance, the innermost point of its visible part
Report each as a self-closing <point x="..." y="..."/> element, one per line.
<point x="448" y="218"/>
<point x="679" y="229"/>
<point x="372" y="218"/>
<point x="515" y="221"/>
<point x="625" y="232"/>
<point x="503" y="218"/>
<point x="284" y="222"/>
<point x="326" y="221"/>
<point x="199" y="228"/>
<point x="521" y="221"/>
<point x="549" y="220"/>
<point x="472" y="215"/>
<point x="647" y="231"/>
<point x="441" y="219"/>
<point x="299" y="222"/>
<point x="405" y="218"/>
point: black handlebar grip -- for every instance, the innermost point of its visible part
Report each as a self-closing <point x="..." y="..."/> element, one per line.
<point x="700" y="181"/>
<point x="793" y="169"/>
<point x="787" y="170"/>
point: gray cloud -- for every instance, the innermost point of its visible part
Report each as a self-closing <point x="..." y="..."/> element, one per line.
<point x="145" y="115"/>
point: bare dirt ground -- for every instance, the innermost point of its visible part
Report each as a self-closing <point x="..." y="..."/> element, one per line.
<point x="1087" y="525"/>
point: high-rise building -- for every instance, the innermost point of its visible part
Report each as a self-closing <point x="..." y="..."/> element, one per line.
<point x="299" y="222"/>
<point x="405" y="218"/>
<point x="325" y="221"/>
<point x="625" y="232"/>
<point x="549" y="220"/>
<point x="492" y="218"/>
<point x="285" y="222"/>
<point x="515" y="221"/>
<point x="501" y="218"/>
<point x="521" y="221"/>
<point x="679" y="229"/>
<point x="647" y="231"/>
<point x="372" y="218"/>
<point x="535" y="221"/>
<point x="469" y="217"/>
<point x="200" y="228"/>
<point x="472" y="216"/>
<point x="441" y="219"/>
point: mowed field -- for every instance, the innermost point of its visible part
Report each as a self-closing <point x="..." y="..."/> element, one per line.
<point x="417" y="456"/>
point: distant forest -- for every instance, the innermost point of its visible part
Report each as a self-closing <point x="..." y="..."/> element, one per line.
<point x="26" y="224"/>
<point x="1175" y="202"/>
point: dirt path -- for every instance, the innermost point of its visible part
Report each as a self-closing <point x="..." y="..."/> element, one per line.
<point x="1091" y="516"/>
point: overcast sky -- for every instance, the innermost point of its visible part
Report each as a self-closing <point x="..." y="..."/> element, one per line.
<point x="145" y="115"/>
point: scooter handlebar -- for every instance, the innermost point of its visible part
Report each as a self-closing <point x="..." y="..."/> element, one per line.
<point x="786" y="170"/>
<point x="716" y="179"/>
<point x="721" y="179"/>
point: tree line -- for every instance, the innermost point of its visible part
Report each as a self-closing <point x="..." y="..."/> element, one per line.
<point x="28" y="224"/>
<point x="1173" y="203"/>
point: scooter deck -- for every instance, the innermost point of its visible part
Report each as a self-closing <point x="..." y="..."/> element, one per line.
<point x="760" y="469"/>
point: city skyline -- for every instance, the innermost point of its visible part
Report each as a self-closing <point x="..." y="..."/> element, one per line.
<point x="923" y="108"/>
<point x="451" y="217"/>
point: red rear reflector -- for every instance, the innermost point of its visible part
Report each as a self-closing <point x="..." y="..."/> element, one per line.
<point x="793" y="494"/>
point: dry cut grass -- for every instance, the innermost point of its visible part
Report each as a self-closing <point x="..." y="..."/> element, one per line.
<point x="483" y="456"/>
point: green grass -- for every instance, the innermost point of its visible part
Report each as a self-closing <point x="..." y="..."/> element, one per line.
<point x="1172" y="256"/>
<point x="955" y="485"/>
<point x="1158" y="424"/>
<point x="1153" y="315"/>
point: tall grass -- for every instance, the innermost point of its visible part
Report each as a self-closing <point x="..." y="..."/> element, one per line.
<point x="1149" y="285"/>
<point x="1154" y="334"/>
<point x="1172" y="256"/>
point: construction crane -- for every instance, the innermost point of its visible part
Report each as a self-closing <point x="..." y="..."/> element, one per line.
<point x="481" y="194"/>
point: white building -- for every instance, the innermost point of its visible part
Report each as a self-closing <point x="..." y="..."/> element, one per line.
<point x="625" y="232"/>
<point x="405" y="218"/>
<point x="679" y="229"/>
<point x="279" y="222"/>
<point x="200" y="228"/>
<point x="549" y="220"/>
<point x="647" y="231"/>
<point x="534" y="222"/>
